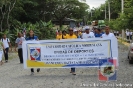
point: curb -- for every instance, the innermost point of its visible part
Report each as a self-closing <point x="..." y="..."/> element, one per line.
<point x="125" y="43"/>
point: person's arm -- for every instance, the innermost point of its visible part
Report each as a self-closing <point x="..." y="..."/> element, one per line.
<point x="10" y="45"/>
<point x="16" y="45"/>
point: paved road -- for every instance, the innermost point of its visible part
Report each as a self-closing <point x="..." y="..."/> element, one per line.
<point x="12" y="75"/>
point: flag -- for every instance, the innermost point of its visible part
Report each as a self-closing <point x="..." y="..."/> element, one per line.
<point x="35" y="54"/>
<point x="107" y="69"/>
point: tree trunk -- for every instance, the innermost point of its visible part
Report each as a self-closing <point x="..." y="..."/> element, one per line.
<point x="11" y="6"/>
<point x="60" y="23"/>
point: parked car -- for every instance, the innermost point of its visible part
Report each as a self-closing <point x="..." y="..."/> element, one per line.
<point x="130" y="53"/>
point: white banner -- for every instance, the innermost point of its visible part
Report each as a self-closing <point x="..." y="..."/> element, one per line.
<point x="68" y="53"/>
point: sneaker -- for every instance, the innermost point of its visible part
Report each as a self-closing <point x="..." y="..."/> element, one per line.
<point x="32" y="73"/>
<point x="6" y="61"/>
<point x="38" y="70"/>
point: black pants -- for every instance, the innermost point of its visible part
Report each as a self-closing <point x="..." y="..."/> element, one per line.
<point x="128" y="37"/>
<point x="20" y="54"/>
<point x="32" y="69"/>
<point x="6" y="54"/>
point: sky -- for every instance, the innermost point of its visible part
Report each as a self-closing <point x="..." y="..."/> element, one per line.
<point x="95" y="3"/>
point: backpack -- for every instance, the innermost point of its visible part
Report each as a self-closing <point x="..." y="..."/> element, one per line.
<point x="7" y="39"/>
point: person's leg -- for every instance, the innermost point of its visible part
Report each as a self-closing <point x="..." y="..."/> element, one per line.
<point x="38" y="70"/>
<point x="73" y="71"/>
<point x="6" y="54"/>
<point x="19" y="54"/>
<point x="131" y="37"/>
<point x="32" y="71"/>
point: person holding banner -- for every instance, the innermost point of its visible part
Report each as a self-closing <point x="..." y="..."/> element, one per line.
<point x="1" y="52"/>
<point x="107" y="33"/>
<point x="18" y="42"/>
<point x="31" y="38"/>
<point x="71" y="35"/>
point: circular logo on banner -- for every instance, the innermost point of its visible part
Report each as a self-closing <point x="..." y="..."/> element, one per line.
<point x="107" y="69"/>
<point x="35" y="54"/>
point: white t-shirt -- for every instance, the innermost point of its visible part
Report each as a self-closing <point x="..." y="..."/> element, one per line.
<point x="131" y="33"/>
<point x="127" y="33"/>
<point x="90" y="35"/>
<point x="109" y="35"/>
<point x="19" y="42"/>
<point x="5" y="42"/>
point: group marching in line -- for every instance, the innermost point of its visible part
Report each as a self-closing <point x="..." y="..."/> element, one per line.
<point x="86" y="33"/>
<point x="71" y="33"/>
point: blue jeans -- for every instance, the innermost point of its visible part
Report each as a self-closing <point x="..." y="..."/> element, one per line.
<point x="72" y="69"/>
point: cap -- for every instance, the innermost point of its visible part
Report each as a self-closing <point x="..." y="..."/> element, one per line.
<point x="75" y="30"/>
<point x="87" y="27"/>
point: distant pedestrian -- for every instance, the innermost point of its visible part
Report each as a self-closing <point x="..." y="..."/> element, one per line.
<point x="127" y="34"/>
<point x="7" y="44"/>
<point x="32" y="37"/>
<point x="131" y="33"/>
<point x="18" y="45"/>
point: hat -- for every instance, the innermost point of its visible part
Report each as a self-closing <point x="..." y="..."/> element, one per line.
<point x="87" y="27"/>
<point x="75" y="30"/>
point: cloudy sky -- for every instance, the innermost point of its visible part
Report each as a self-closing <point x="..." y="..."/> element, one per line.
<point x="95" y="3"/>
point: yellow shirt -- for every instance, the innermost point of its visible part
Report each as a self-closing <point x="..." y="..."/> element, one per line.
<point x="71" y="37"/>
<point x="65" y="36"/>
<point x="59" y="37"/>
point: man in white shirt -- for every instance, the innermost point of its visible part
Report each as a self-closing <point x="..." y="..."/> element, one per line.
<point x="87" y="33"/>
<point x="127" y="34"/>
<point x="6" y="43"/>
<point x="107" y="33"/>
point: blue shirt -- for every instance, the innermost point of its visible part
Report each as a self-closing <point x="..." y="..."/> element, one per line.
<point x="32" y="38"/>
<point x="98" y="35"/>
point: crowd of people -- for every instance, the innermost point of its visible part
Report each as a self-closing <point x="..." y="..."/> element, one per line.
<point x="72" y="33"/>
<point x="86" y="33"/>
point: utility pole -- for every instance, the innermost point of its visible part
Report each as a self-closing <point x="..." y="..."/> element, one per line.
<point x="122" y="6"/>
<point x="105" y="12"/>
<point x="122" y="11"/>
<point x="109" y="9"/>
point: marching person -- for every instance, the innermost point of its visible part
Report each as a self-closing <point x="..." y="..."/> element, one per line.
<point x="71" y="35"/>
<point x="18" y="45"/>
<point x="87" y="33"/>
<point x="1" y="52"/>
<point x="107" y="33"/>
<point x="64" y="34"/>
<point x="127" y="34"/>
<point x="98" y="33"/>
<point x="6" y="43"/>
<point x="59" y="35"/>
<point x="131" y="33"/>
<point x="32" y="37"/>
